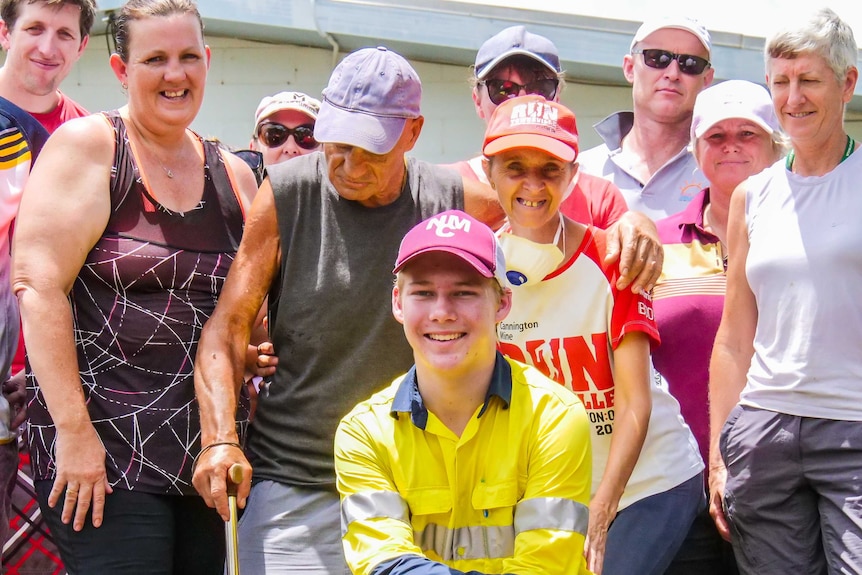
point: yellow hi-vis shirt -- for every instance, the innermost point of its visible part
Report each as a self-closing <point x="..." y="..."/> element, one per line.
<point x="510" y="495"/>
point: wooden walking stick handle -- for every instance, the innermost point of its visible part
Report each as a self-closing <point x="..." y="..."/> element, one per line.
<point x="234" y="478"/>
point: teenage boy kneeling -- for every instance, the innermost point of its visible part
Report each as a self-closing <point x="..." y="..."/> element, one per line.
<point x="470" y="462"/>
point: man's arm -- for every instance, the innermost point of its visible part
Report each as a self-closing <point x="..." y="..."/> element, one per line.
<point x="480" y="201"/>
<point x="731" y="352"/>
<point x="633" y="240"/>
<point x="220" y="361"/>
<point x="632" y="236"/>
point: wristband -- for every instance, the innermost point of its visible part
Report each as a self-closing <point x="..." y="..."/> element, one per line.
<point x="210" y="446"/>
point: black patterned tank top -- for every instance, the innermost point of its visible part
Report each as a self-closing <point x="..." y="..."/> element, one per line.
<point x="139" y="304"/>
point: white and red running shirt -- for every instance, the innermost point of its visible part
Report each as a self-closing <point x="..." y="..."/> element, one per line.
<point x="568" y="326"/>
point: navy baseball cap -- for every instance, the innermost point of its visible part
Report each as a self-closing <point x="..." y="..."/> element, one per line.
<point x="514" y="41"/>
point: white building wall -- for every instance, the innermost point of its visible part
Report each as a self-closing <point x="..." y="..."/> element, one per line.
<point x="242" y="72"/>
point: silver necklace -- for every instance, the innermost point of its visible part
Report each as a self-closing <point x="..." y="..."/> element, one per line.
<point x="166" y="169"/>
<point x="146" y="144"/>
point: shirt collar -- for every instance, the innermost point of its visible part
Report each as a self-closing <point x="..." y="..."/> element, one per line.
<point x="614" y="128"/>
<point x="690" y="220"/>
<point x="408" y="399"/>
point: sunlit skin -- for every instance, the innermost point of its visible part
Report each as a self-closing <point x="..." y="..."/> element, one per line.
<point x="40" y="51"/>
<point x="289" y="149"/>
<point x="530" y="185"/>
<point x="732" y="150"/>
<point x="449" y="313"/>
<point x="666" y="95"/>
<point x="809" y="100"/>
<point x="166" y="72"/>
<point x="373" y="180"/>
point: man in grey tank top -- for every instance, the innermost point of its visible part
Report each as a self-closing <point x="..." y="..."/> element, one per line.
<point x="319" y="243"/>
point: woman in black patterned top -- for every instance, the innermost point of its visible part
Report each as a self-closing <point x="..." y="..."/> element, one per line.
<point x="126" y="232"/>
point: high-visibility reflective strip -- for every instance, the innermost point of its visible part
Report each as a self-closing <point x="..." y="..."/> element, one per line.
<point x="551" y="513"/>
<point x="476" y="542"/>
<point x="363" y="506"/>
<point x="495" y="541"/>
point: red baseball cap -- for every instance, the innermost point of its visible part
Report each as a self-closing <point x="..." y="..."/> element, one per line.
<point x="532" y="122"/>
<point x="459" y="234"/>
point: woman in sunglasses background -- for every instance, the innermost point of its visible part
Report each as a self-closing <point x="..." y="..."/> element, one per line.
<point x="284" y="127"/>
<point x="515" y="62"/>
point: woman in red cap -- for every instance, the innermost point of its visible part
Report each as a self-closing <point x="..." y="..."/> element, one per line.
<point x="569" y="319"/>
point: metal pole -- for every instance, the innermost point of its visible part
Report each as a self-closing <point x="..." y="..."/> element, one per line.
<point x="234" y="478"/>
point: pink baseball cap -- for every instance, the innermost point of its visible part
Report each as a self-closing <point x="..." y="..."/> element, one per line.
<point x="532" y="122"/>
<point x="459" y="234"/>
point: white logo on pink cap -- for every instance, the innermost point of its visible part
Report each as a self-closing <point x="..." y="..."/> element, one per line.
<point x="447" y="225"/>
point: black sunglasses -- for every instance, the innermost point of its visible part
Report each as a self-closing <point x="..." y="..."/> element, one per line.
<point x="254" y="159"/>
<point x="501" y="90"/>
<point x="273" y="135"/>
<point x="661" y="59"/>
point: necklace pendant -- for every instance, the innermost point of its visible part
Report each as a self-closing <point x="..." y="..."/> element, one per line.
<point x="169" y="173"/>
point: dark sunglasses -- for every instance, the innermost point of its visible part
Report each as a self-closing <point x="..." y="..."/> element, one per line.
<point x="661" y="59"/>
<point x="501" y="90"/>
<point x="254" y="159"/>
<point x="273" y="135"/>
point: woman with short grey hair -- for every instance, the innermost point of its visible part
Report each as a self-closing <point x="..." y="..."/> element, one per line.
<point x="786" y="372"/>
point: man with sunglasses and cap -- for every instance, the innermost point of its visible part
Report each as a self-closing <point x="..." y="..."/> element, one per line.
<point x="284" y="127"/>
<point x="518" y="502"/>
<point x="646" y="152"/>
<point x="515" y="62"/>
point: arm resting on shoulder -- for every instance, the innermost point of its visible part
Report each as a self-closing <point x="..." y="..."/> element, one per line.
<point x="481" y="202"/>
<point x="633" y="239"/>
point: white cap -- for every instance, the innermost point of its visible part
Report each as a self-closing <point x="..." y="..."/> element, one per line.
<point x="286" y="101"/>
<point x="675" y="22"/>
<point x="733" y="99"/>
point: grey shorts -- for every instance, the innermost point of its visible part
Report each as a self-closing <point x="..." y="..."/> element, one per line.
<point x="287" y="529"/>
<point x="794" y="492"/>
